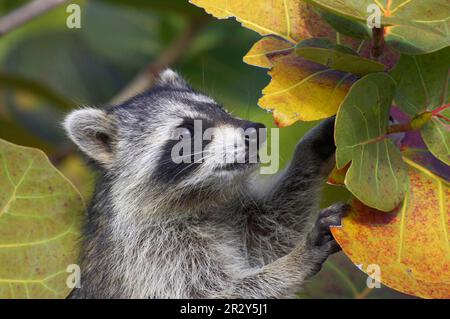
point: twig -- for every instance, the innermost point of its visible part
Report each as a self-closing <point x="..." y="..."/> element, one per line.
<point x="418" y="121"/>
<point x="401" y="127"/>
<point x="377" y="42"/>
<point x="145" y="79"/>
<point x="26" y="13"/>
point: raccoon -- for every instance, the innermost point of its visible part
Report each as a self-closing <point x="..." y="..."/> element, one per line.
<point x="160" y="229"/>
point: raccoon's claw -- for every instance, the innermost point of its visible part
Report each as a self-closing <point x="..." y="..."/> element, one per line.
<point x="321" y="233"/>
<point x="321" y="242"/>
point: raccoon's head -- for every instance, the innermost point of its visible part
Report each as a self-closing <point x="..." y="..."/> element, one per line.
<point x="171" y="140"/>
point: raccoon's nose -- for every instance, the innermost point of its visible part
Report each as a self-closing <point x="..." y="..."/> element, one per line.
<point x="259" y="137"/>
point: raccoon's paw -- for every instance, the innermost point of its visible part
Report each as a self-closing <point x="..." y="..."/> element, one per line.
<point x="329" y="217"/>
<point x="320" y="240"/>
<point x="320" y="139"/>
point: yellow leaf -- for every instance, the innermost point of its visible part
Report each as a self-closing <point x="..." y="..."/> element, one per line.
<point x="266" y="49"/>
<point x="303" y="90"/>
<point x="306" y="92"/>
<point x="40" y="220"/>
<point x="411" y="244"/>
<point x="300" y="89"/>
<point x="292" y="20"/>
<point x="337" y="176"/>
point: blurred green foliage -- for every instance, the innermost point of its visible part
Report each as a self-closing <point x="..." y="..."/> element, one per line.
<point x="47" y="69"/>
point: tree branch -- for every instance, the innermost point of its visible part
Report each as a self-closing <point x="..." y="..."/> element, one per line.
<point x="377" y="42"/>
<point x="26" y="13"/>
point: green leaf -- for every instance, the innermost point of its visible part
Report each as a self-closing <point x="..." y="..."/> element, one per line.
<point x="40" y="220"/>
<point x="346" y="26"/>
<point x="422" y="81"/>
<point x="340" y="58"/>
<point x="353" y="9"/>
<point x="436" y="134"/>
<point x="377" y="175"/>
<point x="418" y="38"/>
<point x="412" y="27"/>
<point x="422" y="86"/>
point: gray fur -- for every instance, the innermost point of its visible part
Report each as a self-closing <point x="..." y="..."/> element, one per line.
<point x="210" y="234"/>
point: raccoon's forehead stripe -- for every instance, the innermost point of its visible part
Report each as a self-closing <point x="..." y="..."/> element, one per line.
<point x="187" y="93"/>
<point x="181" y="100"/>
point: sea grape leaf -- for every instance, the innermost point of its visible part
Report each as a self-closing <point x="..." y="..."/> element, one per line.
<point x="420" y="37"/>
<point x="357" y="35"/>
<point x="268" y="18"/>
<point x="336" y="57"/>
<point x="288" y="19"/>
<point x="413" y="146"/>
<point x="40" y="217"/>
<point x="303" y="90"/>
<point x="337" y="176"/>
<point x="410" y="244"/>
<point x="266" y="49"/>
<point x="436" y="134"/>
<point x="285" y="23"/>
<point x="377" y="174"/>
<point x="354" y="9"/>
<point x="300" y="89"/>
<point x="270" y="46"/>
<point x="422" y="81"/>
<point x="413" y="27"/>
<point x="423" y="84"/>
<point x="355" y="29"/>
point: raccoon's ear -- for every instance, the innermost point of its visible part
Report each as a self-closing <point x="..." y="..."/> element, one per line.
<point x="94" y="132"/>
<point x="170" y="78"/>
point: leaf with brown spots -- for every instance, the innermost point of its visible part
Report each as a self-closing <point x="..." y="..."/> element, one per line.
<point x="300" y="89"/>
<point x="266" y="50"/>
<point x="304" y="90"/>
<point x="410" y="244"/>
<point x="40" y="220"/>
<point x="337" y="57"/>
<point x="377" y="175"/>
<point x="291" y="20"/>
<point x="423" y="86"/>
